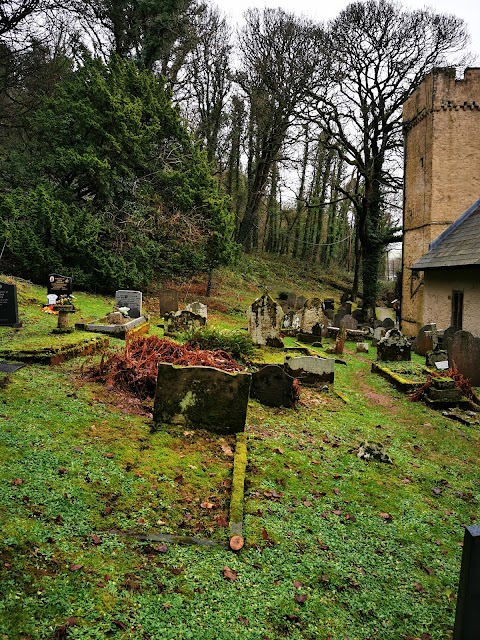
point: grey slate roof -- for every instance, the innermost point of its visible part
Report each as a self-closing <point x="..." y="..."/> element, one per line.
<point x="457" y="246"/>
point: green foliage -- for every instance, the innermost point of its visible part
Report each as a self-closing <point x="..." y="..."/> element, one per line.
<point x="117" y="190"/>
<point x="237" y="342"/>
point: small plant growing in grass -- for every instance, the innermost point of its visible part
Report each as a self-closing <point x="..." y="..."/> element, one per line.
<point x="237" y="343"/>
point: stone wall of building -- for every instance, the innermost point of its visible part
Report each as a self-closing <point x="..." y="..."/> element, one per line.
<point x="442" y="155"/>
<point x="437" y="306"/>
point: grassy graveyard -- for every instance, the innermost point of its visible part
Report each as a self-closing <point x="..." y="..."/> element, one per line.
<point x="336" y="547"/>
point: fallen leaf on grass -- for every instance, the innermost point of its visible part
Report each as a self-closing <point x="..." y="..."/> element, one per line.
<point x="161" y="548"/>
<point x="385" y="516"/>
<point x="227" y="450"/>
<point x="244" y="621"/>
<point x="75" y="567"/>
<point x="278" y="450"/>
<point x="229" y="574"/>
<point x="108" y="455"/>
<point x="436" y="491"/>
<point x="95" y="539"/>
<point x="221" y="521"/>
<point x="207" y="505"/>
<point x="322" y="545"/>
<point x="297" y="584"/>
<point x="300" y="598"/>
<point x="419" y="588"/>
<point x="17" y="481"/>
<point x="119" y="624"/>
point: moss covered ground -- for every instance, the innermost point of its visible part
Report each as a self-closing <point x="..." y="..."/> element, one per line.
<point x="336" y="547"/>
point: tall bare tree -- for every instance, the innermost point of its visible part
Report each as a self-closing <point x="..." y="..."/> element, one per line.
<point x="379" y="54"/>
<point x="280" y="60"/>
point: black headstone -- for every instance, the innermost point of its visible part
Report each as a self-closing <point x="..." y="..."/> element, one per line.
<point x="467" y="617"/>
<point x="61" y="285"/>
<point x="273" y="387"/>
<point x="329" y="303"/>
<point x="8" y="305"/>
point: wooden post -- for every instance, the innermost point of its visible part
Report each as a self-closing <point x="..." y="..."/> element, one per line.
<point x="467" y="616"/>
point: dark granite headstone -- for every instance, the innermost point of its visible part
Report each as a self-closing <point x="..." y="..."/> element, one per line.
<point x="388" y="323"/>
<point x="445" y="335"/>
<point x="329" y="303"/>
<point x="273" y="387"/>
<point x="9" y="367"/>
<point x="8" y="305"/>
<point x="464" y="352"/>
<point x="341" y="313"/>
<point x="60" y="285"/>
<point x="348" y="306"/>
<point x="330" y="314"/>
<point x="467" y="615"/>
<point x="168" y="301"/>
<point x="345" y="296"/>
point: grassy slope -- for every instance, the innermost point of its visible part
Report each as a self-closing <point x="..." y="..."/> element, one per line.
<point x="336" y="547"/>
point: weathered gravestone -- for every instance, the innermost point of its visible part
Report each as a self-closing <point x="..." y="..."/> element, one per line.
<point x="59" y="285"/>
<point x="394" y="347"/>
<point x="348" y="306"/>
<point x="197" y="307"/>
<point x="339" y="316"/>
<point x="378" y="334"/>
<point x="464" y="352"/>
<point x="8" y="306"/>
<point x="310" y="370"/>
<point x="168" y="301"/>
<point x="264" y="320"/>
<point x="300" y="302"/>
<point x="359" y="315"/>
<point x="388" y="323"/>
<point x="201" y="398"/>
<point x="291" y="300"/>
<point x="330" y="314"/>
<point x="273" y="387"/>
<point x="130" y="299"/>
<point x="445" y="335"/>
<point x="182" y="321"/>
<point x="433" y="357"/>
<point x="349" y="322"/>
<point x="311" y="315"/>
<point x="427" y="339"/>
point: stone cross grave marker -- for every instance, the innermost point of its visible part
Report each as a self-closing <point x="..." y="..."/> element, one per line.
<point x="8" y="305"/>
<point x="130" y="299"/>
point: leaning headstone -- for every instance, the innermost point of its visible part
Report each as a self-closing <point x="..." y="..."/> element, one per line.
<point x="349" y="322"/>
<point x="300" y="301"/>
<point x="467" y="615"/>
<point x="311" y="315"/>
<point x="8" y="305"/>
<point x="182" y="322"/>
<point x="394" y="347"/>
<point x="130" y="299"/>
<point x="310" y="370"/>
<point x="362" y="347"/>
<point x="59" y="285"/>
<point x="264" y="319"/>
<point x="427" y="339"/>
<point x="388" y="323"/>
<point x="168" y="301"/>
<point x="273" y="387"/>
<point x="201" y="398"/>
<point x="330" y="314"/>
<point x="464" y="352"/>
<point x="197" y="307"/>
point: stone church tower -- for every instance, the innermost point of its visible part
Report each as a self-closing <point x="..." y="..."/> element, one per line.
<point x="441" y="121"/>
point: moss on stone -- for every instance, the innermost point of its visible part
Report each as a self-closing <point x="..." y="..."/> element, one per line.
<point x="238" y="483"/>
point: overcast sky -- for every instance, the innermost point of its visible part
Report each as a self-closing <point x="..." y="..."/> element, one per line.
<point x="468" y="10"/>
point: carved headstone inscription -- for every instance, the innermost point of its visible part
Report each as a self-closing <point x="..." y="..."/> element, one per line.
<point x="59" y="285"/>
<point x="130" y="299"/>
<point x="8" y="305"/>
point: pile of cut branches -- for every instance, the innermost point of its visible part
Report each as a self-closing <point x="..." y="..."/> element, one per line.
<point x="460" y="381"/>
<point x="135" y="369"/>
